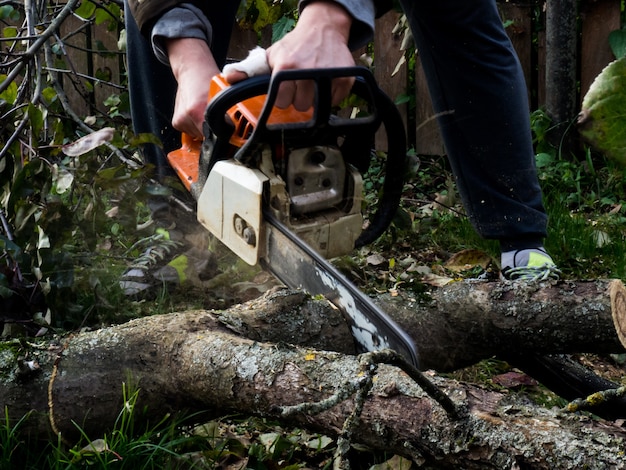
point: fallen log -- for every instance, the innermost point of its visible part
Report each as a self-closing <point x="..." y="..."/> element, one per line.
<point x="190" y="361"/>
<point x="468" y="321"/>
<point x="530" y="326"/>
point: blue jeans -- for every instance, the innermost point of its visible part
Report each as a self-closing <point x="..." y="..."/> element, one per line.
<point x="474" y="74"/>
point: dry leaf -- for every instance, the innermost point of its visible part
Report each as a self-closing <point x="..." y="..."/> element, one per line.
<point x="467" y="259"/>
<point x="394" y="463"/>
<point x="514" y="379"/>
<point x="89" y="142"/>
<point x="376" y="260"/>
<point x="436" y="281"/>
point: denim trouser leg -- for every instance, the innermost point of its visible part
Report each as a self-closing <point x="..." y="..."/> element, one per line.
<point x="473" y="72"/>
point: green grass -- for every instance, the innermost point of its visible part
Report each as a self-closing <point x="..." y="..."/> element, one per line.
<point x="585" y="201"/>
<point x="586" y="245"/>
<point x="128" y="446"/>
<point x="172" y="443"/>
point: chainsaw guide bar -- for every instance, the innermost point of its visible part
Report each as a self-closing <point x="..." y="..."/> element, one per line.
<point x="298" y="266"/>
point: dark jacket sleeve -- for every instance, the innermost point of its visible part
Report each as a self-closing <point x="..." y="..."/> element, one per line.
<point x="146" y="12"/>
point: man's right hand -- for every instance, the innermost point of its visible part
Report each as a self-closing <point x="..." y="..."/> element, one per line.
<point x="319" y="40"/>
<point x="193" y="67"/>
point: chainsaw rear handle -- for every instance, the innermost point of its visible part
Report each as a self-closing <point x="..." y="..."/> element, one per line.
<point x="320" y="128"/>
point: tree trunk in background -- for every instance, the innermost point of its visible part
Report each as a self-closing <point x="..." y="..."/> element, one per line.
<point x="561" y="66"/>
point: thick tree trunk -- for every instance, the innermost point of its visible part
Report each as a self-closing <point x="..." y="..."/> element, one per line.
<point x="467" y="321"/>
<point x="192" y="361"/>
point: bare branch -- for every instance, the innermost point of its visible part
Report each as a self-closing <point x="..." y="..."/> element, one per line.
<point x="36" y="46"/>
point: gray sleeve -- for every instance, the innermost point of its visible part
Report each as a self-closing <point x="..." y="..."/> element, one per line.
<point x="183" y="21"/>
<point x="363" y="12"/>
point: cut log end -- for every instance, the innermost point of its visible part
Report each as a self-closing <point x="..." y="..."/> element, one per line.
<point x="617" y="293"/>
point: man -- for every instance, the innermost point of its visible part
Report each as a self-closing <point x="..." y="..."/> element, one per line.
<point x="477" y="88"/>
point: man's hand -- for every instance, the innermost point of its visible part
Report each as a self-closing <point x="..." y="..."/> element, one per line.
<point x="319" y="40"/>
<point x="193" y="67"/>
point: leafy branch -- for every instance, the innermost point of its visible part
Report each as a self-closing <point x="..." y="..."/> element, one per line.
<point x="52" y="200"/>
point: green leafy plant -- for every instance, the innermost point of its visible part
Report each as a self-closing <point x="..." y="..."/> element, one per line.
<point x="257" y="15"/>
<point x="67" y="192"/>
<point x="130" y="445"/>
<point x="617" y="41"/>
<point x="601" y="121"/>
<point x="584" y="196"/>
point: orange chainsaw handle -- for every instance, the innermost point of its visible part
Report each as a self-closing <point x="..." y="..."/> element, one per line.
<point x="242" y="119"/>
<point x="185" y="160"/>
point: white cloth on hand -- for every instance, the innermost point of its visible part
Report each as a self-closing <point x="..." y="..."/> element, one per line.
<point x="253" y="65"/>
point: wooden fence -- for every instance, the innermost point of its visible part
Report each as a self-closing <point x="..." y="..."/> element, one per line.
<point x="526" y="27"/>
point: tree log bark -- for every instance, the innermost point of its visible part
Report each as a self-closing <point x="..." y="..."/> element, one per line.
<point x="190" y="361"/>
<point x="193" y="361"/>
<point x="467" y="321"/>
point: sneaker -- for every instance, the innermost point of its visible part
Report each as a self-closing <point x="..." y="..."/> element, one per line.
<point x="137" y="280"/>
<point x="175" y="252"/>
<point x="529" y="265"/>
<point x="165" y="264"/>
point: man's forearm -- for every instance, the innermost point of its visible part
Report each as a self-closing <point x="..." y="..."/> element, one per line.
<point x="362" y="12"/>
<point x="186" y="55"/>
<point x="184" y="21"/>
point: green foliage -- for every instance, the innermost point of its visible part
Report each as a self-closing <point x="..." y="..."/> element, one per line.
<point x="585" y="200"/>
<point x="108" y="13"/>
<point x="64" y="214"/>
<point x="617" y="41"/>
<point x="260" y="14"/>
<point x="86" y="9"/>
<point x="282" y="27"/>
<point x="12" y="446"/>
<point x="7" y="12"/>
<point x="132" y="444"/>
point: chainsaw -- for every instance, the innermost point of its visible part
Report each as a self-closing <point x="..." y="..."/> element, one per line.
<point x="284" y="189"/>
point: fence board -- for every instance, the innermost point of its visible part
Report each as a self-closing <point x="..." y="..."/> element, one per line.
<point x="387" y="54"/>
<point x="244" y="40"/>
<point x="107" y="64"/>
<point x="541" y="70"/>
<point x="520" y="33"/>
<point x="428" y="139"/>
<point x="76" y="60"/>
<point x="599" y="18"/>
